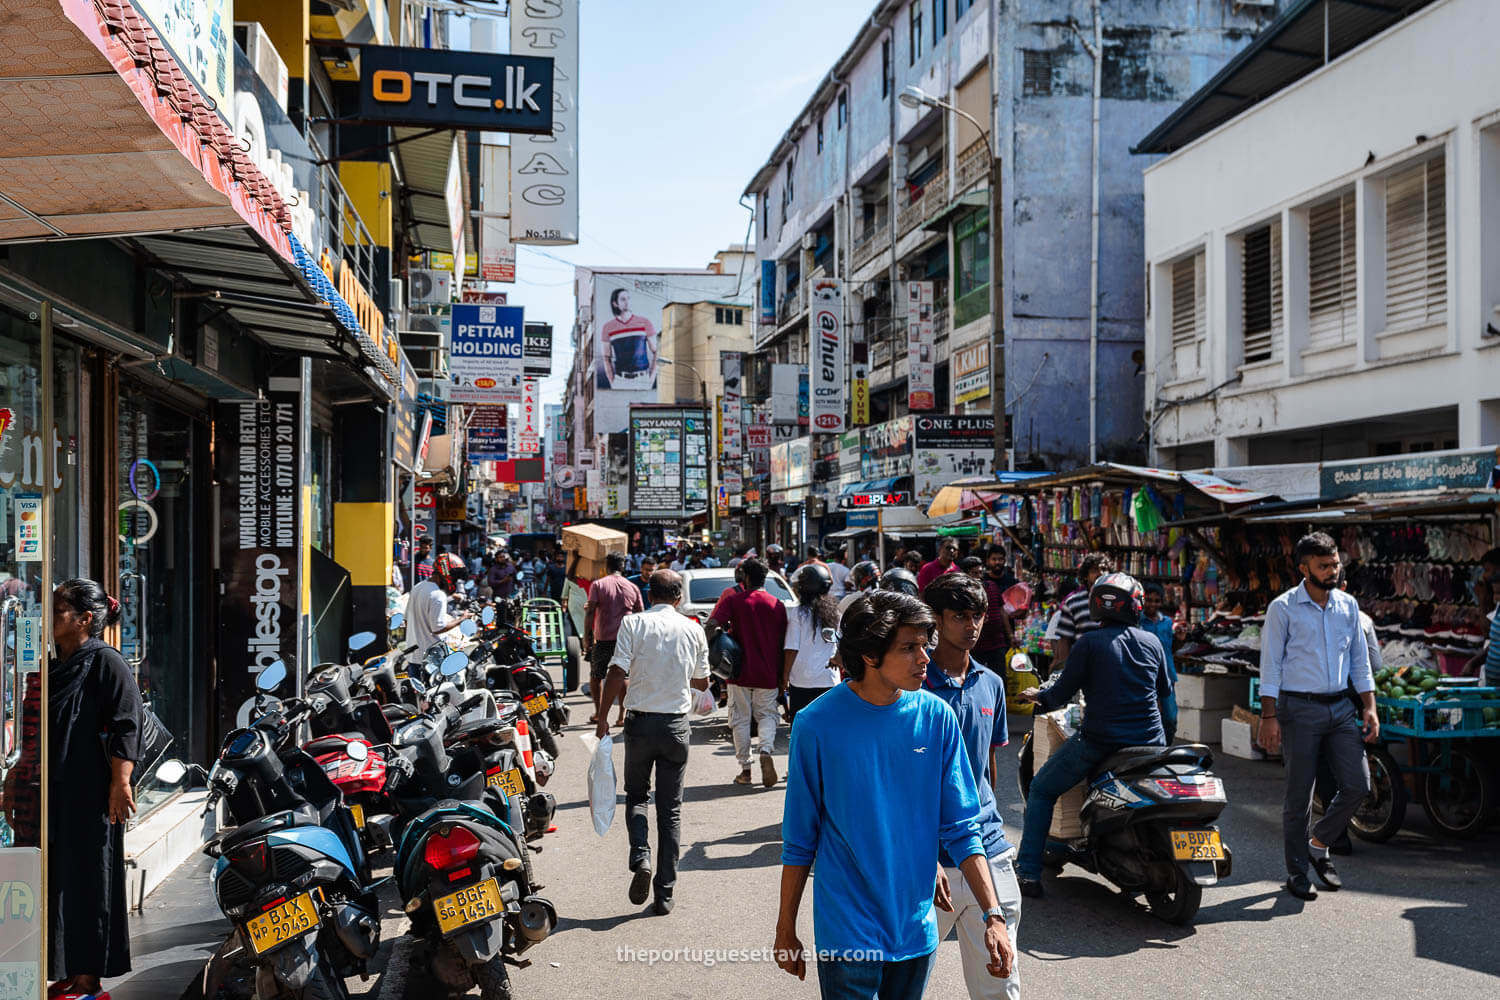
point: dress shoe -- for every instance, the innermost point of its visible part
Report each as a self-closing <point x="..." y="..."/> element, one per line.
<point x="640" y="885"/>
<point x="1031" y="888"/>
<point x="1301" y="887"/>
<point x="1327" y="874"/>
<point x="663" y="905"/>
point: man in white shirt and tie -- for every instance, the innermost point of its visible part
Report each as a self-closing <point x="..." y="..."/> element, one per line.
<point x="664" y="654"/>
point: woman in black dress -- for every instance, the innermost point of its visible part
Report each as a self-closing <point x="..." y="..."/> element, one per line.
<point x="95" y="740"/>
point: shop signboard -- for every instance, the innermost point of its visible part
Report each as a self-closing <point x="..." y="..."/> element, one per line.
<point x="921" y="377"/>
<point x="786" y="387"/>
<point x="780" y="464"/>
<point x="444" y="88"/>
<point x="528" y="436"/>
<point x="887" y="449"/>
<point x="200" y="34"/>
<point x="947" y="447"/>
<point x="669" y="448"/>
<point x="1454" y="470"/>
<point x="768" y="293"/>
<point x="799" y="462"/>
<point x="752" y="500"/>
<point x="862" y="517"/>
<point x="731" y="404"/>
<point x="825" y="459"/>
<point x="851" y="453"/>
<point x="536" y="349"/>
<point x="260" y="453"/>
<point x="452" y="507"/>
<point x="971" y="372"/>
<point x="497" y="254"/>
<point x="486" y="354"/>
<point x="858" y="501"/>
<point x="758" y="436"/>
<point x="826" y="381"/>
<point x="488" y="432"/>
<point x="475" y="293"/>
<point x="544" y="165"/>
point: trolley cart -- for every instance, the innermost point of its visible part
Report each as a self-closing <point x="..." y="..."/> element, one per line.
<point x="542" y="619"/>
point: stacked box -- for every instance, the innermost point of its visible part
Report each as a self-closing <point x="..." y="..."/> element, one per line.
<point x="1201" y="725"/>
<point x="593" y="542"/>
<point x="1047" y="736"/>
<point x="1211" y="691"/>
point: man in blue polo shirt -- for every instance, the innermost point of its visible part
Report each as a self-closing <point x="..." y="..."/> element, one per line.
<point x="977" y="696"/>
<point x="1491" y="569"/>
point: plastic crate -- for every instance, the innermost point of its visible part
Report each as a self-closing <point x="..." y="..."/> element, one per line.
<point x="1446" y="712"/>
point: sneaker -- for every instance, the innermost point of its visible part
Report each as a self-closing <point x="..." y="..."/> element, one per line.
<point x="743" y="778"/>
<point x="640" y="885"/>
<point x="767" y="770"/>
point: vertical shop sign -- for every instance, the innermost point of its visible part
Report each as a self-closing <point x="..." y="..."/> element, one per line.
<point x="487" y="440"/>
<point x="921" y="370"/>
<point x="971" y="372"/>
<point x="784" y="388"/>
<point x="768" y="293"/>
<point x="528" y="439"/>
<point x="544" y="168"/>
<point x="731" y="404"/>
<point x="260" y="452"/>
<point x="826" y="351"/>
<point x="859" y="376"/>
<point x="486" y="355"/>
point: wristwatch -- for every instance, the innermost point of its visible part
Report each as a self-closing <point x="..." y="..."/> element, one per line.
<point x="993" y="911"/>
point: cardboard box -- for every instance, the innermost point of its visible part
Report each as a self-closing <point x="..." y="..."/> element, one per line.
<point x="589" y="569"/>
<point x="593" y="541"/>
<point x="1210" y="691"/>
<point x="1251" y="719"/>
<point x="1201" y="725"/>
<point x="1237" y="741"/>
<point x="1047" y="737"/>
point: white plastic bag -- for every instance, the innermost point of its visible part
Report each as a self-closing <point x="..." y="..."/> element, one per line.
<point x="602" y="787"/>
<point x="703" y="702"/>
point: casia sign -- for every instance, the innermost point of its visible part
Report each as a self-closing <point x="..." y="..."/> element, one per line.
<point x="438" y="87"/>
<point x="827" y="370"/>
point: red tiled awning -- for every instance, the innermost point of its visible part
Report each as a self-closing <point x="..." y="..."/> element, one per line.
<point x="104" y="135"/>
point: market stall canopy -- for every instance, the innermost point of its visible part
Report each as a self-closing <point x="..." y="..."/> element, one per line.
<point x="1215" y="488"/>
<point x="975" y="493"/>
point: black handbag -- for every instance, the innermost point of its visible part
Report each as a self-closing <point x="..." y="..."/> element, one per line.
<point x="725" y="657"/>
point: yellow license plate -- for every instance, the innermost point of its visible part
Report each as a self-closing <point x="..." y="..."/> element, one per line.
<point x="536" y="703"/>
<point x="1197" y="845"/>
<point x="509" y="782"/>
<point x="469" y="906"/>
<point x="358" y="812"/>
<point x="277" y="926"/>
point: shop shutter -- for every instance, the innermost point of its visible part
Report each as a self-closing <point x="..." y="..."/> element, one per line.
<point x="1262" y="287"/>
<point x="1188" y="311"/>
<point x="1416" y="246"/>
<point x="1331" y="271"/>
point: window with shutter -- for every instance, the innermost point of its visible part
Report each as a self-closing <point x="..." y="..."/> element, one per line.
<point x="1188" y="308"/>
<point x="1331" y="271"/>
<point x="1416" y="246"/>
<point x="1262" y="288"/>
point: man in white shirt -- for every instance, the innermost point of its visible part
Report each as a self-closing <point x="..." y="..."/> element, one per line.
<point x="427" y="605"/>
<point x="664" y="654"/>
<point x="840" y="572"/>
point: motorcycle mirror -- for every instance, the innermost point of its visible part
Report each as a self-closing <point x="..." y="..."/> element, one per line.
<point x="357" y="751"/>
<point x="488" y="616"/>
<point x="398" y="620"/>
<point x="360" y="640"/>
<point x="469" y="586"/>
<point x="171" y="771"/>
<point x="468" y="628"/>
<point x="270" y="678"/>
<point x="453" y="664"/>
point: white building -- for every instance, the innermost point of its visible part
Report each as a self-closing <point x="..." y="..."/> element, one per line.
<point x="1323" y="258"/>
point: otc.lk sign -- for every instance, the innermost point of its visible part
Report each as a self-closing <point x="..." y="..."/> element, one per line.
<point x="826" y="371"/>
<point x="486" y="357"/>
<point x="442" y="88"/>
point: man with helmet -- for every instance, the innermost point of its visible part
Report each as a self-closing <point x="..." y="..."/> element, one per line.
<point x="901" y="580"/>
<point x="1122" y="672"/>
<point x="863" y="578"/>
<point x="775" y="558"/>
<point x="427" y="605"/>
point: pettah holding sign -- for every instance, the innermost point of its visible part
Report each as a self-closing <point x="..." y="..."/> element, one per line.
<point x="486" y="355"/>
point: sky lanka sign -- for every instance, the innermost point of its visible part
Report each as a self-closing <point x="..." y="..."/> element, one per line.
<point x="435" y="87"/>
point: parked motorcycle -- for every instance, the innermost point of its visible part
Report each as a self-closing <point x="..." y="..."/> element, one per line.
<point x="516" y="668"/>
<point x="1148" y="825"/>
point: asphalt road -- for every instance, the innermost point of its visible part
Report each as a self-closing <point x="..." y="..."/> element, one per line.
<point x="1409" y="923"/>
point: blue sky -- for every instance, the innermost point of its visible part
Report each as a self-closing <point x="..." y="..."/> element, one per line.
<point x="679" y="103"/>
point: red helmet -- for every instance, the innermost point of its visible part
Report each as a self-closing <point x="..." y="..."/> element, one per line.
<point x="1116" y="599"/>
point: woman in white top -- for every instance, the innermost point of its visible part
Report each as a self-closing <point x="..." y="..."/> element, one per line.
<point x="810" y="639"/>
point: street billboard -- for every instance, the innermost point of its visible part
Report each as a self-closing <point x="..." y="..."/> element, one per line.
<point x="488" y="434"/>
<point x="789" y="394"/>
<point x="826" y="383"/>
<point x="443" y="88"/>
<point x="971" y="372"/>
<point x="537" y="350"/>
<point x="486" y="354"/>
<point x="731" y="404"/>
<point x="888" y="449"/>
<point x="669" y="469"/>
<point x="946" y="448"/>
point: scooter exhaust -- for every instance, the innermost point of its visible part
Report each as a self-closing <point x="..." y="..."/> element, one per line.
<point x="537" y="918"/>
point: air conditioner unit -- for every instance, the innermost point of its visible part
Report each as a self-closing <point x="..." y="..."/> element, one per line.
<point x="431" y="288"/>
<point x="809" y="241"/>
<point x="269" y="65"/>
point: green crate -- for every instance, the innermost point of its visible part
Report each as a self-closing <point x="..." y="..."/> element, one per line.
<point x="1445" y="713"/>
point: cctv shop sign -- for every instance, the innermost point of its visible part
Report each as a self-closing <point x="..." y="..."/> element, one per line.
<point x="486" y="356"/>
<point x="437" y="88"/>
<point x="827" y="357"/>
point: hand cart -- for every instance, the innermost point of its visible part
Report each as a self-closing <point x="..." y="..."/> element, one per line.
<point x="542" y="619"/>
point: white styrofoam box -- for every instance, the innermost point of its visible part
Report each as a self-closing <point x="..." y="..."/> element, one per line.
<point x="1200" y="725"/>
<point x="1211" y="690"/>
<point x="1236" y="736"/>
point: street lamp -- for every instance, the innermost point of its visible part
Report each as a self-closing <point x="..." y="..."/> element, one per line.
<point x="915" y="97"/>
<point x="713" y="487"/>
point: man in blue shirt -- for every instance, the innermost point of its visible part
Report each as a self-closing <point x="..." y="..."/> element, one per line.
<point x="643" y="578"/>
<point x="878" y="780"/>
<point x="1312" y="650"/>
<point x="1122" y="673"/>
<point x="977" y="696"/>
<point x="1490" y="566"/>
<point x="1161" y="626"/>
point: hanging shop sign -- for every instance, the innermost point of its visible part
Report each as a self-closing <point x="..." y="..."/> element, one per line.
<point x="544" y="166"/>
<point x="731" y="405"/>
<point x="887" y="449"/>
<point x="528" y="437"/>
<point x="1473" y="470"/>
<point x="825" y="330"/>
<point x="486" y="354"/>
<point x="789" y="394"/>
<point x="487" y="434"/>
<point x="475" y="293"/>
<point x="946" y="448"/>
<point x="768" y="293"/>
<point x="921" y="369"/>
<point x="971" y="372"/>
<point x="859" y="501"/>
<point x="669" y="471"/>
<point x="441" y="88"/>
<point x="260" y="450"/>
<point x="537" y="348"/>
<point x="758" y="436"/>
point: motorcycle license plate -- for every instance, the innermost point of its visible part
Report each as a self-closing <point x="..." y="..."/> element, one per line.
<point x="1197" y="845"/>
<point x="358" y="812"/>
<point x="292" y="919"/>
<point x="536" y="703"/>
<point x="509" y="782"/>
<point x="478" y="902"/>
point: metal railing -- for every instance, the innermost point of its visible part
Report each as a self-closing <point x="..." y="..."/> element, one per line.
<point x="341" y="231"/>
<point x="870" y="241"/>
<point x="973" y="166"/>
<point x="933" y="199"/>
<point x="940" y="319"/>
<point x="793" y="304"/>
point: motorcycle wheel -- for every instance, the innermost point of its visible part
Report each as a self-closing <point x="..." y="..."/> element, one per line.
<point x="1465" y="806"/>
<point x="1179" y="905"/>
<point x="1384" y="809"/>
<point x="544" y="738"/>
<point x="573" y="665"/>
<point x="493" y="980"/>
<point x="323" y="986"/>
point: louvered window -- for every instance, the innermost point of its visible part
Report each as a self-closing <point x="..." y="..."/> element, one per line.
<point x="1416" y="246"/>
<point x="1188" y="312"/>
<point x="1262" y="287"/>
<point x="1331" y="271"/>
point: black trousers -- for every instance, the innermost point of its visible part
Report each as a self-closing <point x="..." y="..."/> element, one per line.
<point x="1314" y="732"/>
<point x="799" y="698"/>
<point x="659" y="741"/>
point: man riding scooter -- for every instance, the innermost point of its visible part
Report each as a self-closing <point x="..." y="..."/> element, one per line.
<point x="1122" y="672"/>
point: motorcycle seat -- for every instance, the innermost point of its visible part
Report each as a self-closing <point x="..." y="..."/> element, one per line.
<point x="1144" y="758"/>
<point x="304" y="815"/>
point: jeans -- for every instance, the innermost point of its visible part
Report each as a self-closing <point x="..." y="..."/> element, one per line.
<point x="1071" y="764"/>
<point x="662" y="741"/>
<point x="842" y="979"/>
<point x="1312" y="732"/>
<point x="1169" y="717"/>
<point x="969" y="919"/>
<point x="761" y="703"/>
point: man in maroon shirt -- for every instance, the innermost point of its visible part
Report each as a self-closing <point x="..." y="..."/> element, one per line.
<point x="757" y="621"/>
<point x="610" y="600"/>
<point x="946" y="562"/>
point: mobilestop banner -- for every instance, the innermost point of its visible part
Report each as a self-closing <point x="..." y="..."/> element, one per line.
<point x="259" y="451"/>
